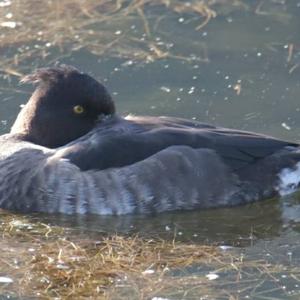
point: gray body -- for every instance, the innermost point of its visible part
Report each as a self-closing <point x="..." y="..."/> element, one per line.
<point x="177" y="177"/>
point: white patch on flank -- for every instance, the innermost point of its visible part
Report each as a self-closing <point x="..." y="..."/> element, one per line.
<point x="289" y="180"/>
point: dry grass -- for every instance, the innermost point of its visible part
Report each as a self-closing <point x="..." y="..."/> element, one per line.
<point x="48" y="262"/>
<point x="121" y="28"/>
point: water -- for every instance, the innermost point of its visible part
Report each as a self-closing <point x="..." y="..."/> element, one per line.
<point x="241" y="70"/>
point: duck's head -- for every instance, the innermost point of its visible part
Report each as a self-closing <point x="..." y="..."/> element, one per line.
<point x="65" y="105"/>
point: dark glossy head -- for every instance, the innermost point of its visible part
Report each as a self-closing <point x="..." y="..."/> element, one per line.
<point x="65" y="105"/>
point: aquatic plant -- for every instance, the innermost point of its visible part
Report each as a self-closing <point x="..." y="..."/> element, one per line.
<point x="34" y="31"/>
<point x="49" y="261"/>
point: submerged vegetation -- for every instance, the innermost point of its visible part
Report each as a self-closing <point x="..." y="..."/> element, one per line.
<point x="118" y="27"/>
<point x="51" y="262"/>
<point x="133" y="29"/>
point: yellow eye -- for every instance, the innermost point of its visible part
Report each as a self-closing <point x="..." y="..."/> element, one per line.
<point x="78" y="109"/>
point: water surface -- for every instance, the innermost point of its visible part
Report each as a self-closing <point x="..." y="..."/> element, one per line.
<point x="241" y="70"/>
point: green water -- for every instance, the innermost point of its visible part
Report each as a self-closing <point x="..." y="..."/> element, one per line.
<point x="258" y="50"/>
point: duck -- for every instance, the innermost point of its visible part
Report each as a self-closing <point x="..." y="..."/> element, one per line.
<point x="70" y="152"/>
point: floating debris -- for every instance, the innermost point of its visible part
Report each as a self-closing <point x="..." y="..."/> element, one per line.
<point x="212" y="276"/>
<point x="4" y="279"/>
<point x="165" y="89"/>
<point x="225" y="247"/>
<point x="5" y="3"/>
<point x="9" y="24"/>
<point x="285" y="126"/>
<point x="167" y="228"/>
<point x="237" y="88"/>
<point x="148" y="272"/>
